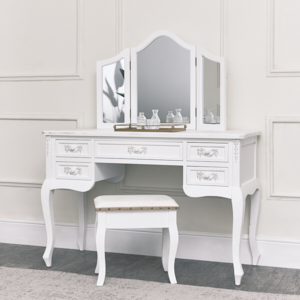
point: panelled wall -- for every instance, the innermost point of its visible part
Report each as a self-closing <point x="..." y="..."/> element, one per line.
<point x="48" y="60"/>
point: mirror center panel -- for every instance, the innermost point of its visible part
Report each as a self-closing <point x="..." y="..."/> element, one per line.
<point x="163" y="78"/>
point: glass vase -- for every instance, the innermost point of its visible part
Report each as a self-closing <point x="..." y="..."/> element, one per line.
<point x="178" y="116"/>
<point x="156" y="119"/>
<point x="170" y="117"/>
<point x="209" y="117"/>
<point x="141" y="120"/>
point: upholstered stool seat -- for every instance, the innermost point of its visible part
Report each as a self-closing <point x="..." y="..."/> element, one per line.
<point x="137" y="211"/>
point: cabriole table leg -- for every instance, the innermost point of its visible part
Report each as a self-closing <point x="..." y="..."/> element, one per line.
<point x="47" y="206"/>
<point x="238" y="208"/>
<point x="82" y="215"/>
<point x="255" y="206"/>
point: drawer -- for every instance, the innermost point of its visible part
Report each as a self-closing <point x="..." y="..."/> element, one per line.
<point x="67" y="170"/>
<point x="73" y="148"/>
<point x="207" y="152"/>
<point x="160" y="151"/>
<point x="207" y="176"/>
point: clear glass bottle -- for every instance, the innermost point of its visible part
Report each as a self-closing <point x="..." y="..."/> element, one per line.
<point x="156" y="119"/>
<point x="141" y="120"/>
<point x="170" y="117"/>
<point x="178" y="116"/>
<point x="209" y="117"/>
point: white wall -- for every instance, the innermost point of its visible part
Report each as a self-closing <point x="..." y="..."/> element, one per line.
<point x="48" y="60"/>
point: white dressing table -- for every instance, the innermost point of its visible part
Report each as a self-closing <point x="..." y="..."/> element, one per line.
<point x="162" y="73"/>
<point x="219" y="163"/>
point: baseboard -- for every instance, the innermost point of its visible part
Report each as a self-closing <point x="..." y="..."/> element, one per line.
<point x="275" y="252"/>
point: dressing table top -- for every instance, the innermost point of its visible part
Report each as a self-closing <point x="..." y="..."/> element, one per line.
<point x="189" y="134"/>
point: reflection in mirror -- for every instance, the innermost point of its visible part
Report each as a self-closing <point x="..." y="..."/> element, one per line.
<point x="113" y="92"/>
<point x="211" y="92"/>
<point x="163" y="78"/>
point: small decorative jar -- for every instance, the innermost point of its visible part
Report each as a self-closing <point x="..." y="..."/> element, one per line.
<point x="170" y="117"/>
<point x="178" y="116"/>
<point x="141" y="120"/>
<point x="156" y="119"/>
<point x="209" y="117"/>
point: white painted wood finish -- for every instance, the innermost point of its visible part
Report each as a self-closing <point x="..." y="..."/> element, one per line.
<point x="71" y="171"/>
<point x="235" y="167"/>
<point x="207" y="176"/>
<point x="82" y="217"/>
<point x="207" y="152"/>
<point x="47" y="206"/>
<point x="69" y="148"/>
<point x="138" y="219"/>
<point x="141" y="150"/>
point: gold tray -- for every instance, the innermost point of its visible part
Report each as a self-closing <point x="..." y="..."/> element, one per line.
<point x="169" y="127"/>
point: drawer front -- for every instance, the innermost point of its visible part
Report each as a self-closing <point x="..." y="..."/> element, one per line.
<point x="207" y="152"/>
<point x="67" y="170"/>
<point x="71" y="148"/>
<point x="207" y="176"/>
<point x="161" y="151"/>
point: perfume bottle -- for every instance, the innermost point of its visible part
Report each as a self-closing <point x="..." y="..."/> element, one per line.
<point x="141" y="120"/>
<point x="156" y="119"/>
<point x="170" y="117"/>
<point x="178" y="116"/>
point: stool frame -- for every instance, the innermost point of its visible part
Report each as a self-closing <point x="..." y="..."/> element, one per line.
<point x="165" y="219"/>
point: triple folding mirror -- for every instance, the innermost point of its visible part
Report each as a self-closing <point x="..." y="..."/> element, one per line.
<point x="162" y="73"/>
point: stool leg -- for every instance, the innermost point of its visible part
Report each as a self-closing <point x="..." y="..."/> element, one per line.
<point x="95" y="233"/>
<point x="100" y="245"/>
<point x="165" y="248"/>
<point x="173" y="231"/>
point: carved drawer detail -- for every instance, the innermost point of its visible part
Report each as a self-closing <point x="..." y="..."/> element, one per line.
<point x="207" y="152"/>
<point x="207" y="176"/>
<point x="135" y="150"/>
<point x="142" y="150"/>
<point x="73" y="148"/>
<point x="67" y="170"/>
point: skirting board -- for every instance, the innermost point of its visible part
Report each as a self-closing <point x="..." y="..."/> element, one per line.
<point x="198" y="246"/>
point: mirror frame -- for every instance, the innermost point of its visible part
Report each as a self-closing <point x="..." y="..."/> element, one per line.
<point x="142" y="46"/>
<point x="196" y="99"/>
<point x="201" y="52"/>
<point x="125" y="54"/>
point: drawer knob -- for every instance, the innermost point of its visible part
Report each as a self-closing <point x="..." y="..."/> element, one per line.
<point x="205" y="176"/>
<point x="69" y="171"/>
<point x="207" y="153"/>
<point x="68" y="148"/>
<point x="132" y="149"/>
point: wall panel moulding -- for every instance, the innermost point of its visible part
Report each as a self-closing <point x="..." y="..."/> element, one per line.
<point x="283" y="51"/>
<point x="283" y="164"/>
<point x="38" y="48"/>
<point x="34" y="120"/>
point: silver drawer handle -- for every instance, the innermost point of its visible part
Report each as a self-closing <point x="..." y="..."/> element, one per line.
<point x="69" y="171"/>
<point x="132" y="149"/>
<point x="68" y="148"/>
<point x="207" y="153"/>
<point x="209" y="177"/>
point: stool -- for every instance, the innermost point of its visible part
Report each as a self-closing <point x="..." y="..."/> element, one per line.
<point x="137" y="211"/>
